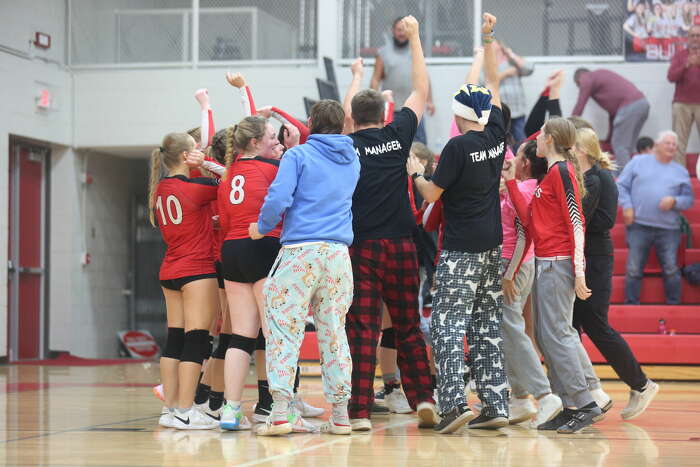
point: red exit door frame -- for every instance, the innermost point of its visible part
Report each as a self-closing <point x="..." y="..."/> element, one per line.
<point x="27" y="251"/>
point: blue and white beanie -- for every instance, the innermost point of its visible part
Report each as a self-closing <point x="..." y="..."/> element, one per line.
<point x="472" y="102"/>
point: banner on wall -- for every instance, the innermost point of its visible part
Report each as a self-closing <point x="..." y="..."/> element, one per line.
<point x="655" y="29"/>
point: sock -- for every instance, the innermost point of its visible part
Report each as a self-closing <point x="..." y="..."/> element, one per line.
<point x="181" y="412"/>
<point x="641" y="388"/>
<point x="235" y="405"/>
<point x="264" y="396"/>
<point x="296" y="380"/>
<point x="389" y="378"/>
<point x="433" y="379"/>
<point x="216" y="400"/>
<point x="202" y="393"/>
<point x="339" y="412"/>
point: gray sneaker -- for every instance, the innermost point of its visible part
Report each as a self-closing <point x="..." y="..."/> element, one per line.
<point x="639" y="401"/>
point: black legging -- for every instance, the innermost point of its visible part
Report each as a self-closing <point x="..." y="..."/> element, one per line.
<point x="591" y="317"/>
<point x="538" y="114"/>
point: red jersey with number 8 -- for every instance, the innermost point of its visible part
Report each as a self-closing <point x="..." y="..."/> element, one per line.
<point x="242" y="194"/>
<point x="183" y="216"/>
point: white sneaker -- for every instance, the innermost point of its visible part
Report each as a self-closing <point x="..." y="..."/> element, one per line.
<point x="259" y="414"/>
<point x="602" y="399"/>
<point x="360" y="424"/>
<point x="192" y="419"/>
<point x="213" y="414"/>
<point x="335" y="428"/>
<point x="427" y="415"/>
<point x="549" y="407"/>
<point x="166" y="418"/>
<point x="397" y="403"/>
<point x="306" y="410"/>
<point x="233" y="419"/>
<point x="520" y="410"/>
<point x="639" y="401"/>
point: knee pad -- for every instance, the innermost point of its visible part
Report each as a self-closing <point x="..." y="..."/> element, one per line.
<point x="220" y="351"/>
<point x="174" y="343"/>
<point x="210" y="348"/>
<point x="246" y="344"/>
<point x="196" y="346"/>
<point x="260" y="341"/>
<point x="388" y="338"/>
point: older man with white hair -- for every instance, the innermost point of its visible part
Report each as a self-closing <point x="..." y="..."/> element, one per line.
<point x="653" y="190"/>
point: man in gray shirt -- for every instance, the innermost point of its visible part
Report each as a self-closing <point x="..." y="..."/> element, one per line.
<point x="392" y="68"/>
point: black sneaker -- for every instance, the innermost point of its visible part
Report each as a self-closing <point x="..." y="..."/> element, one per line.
<point x="454" y="419"/>
<point x="379" y="409"/>
<point x="487" y="422"/>
<point x="580" y="419"/>
<point x="552" y="425"/>
<point x="260" y="414"/>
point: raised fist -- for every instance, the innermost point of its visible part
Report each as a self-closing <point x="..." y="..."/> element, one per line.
<point x="202" y="96"/>
<point x="358" y="67"/>
<point x="410" y="25"/>
<point x="488" y="24"/>
<point x="236" y="79"/>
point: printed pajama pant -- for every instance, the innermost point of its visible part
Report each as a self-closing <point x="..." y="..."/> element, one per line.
<point x="316" y="276"/>
<point x="468" y="302"/>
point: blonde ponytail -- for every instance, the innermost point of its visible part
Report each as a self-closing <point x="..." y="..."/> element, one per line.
<point x="153" y="184"/>
<point x="587" y="141"/>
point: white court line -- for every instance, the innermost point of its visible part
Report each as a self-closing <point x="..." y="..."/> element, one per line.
<point x="340" y="439"/>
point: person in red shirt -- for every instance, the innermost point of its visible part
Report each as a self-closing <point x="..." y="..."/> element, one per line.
<point x="179" y="208"/>
<point x="555" y="221"/>
<point x="685" y="73"/>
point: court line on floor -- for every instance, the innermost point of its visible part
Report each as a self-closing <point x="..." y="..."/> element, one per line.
<point x="84" y="428"/>
<point x="340" y="439"/>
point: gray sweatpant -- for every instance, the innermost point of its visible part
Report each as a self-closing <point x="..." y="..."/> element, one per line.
<point x="553" y="295"/>
<point x="523" y="367"/>
<point x="626" y="127"/>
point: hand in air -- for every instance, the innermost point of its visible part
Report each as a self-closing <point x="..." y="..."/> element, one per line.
<point x="202" y="96"/>
<point x="388" y="95"/>
<point x="414" y="166"/>
<point x="254" y="232"/>
<point x="582" y="291"/>
<point x="488" y="24"/>
<point x="410" y="24"/>
<point x="358" y="67"/>
<point x="235" y="79"/>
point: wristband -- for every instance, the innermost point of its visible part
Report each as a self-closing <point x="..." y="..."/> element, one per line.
<point x="415" y="175"/>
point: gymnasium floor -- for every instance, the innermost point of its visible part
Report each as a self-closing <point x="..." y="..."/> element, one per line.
<point x="106" y="416"/>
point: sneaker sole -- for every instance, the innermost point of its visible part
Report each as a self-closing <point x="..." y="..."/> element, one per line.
<point x="644" y="407"/>
<point x="367" y="427"/>
<point x="608" y="406"/>
<point x="336" y="430"/>
<point x="458" y="423"/>
<point x="401" y="411"/>
<point x="229" y="426"/>
<point x="521" y="419"/>
<point x="567" y="432"/>
<point x="192" y="427"/>
<point x="427" y="418"/>
<point x="275" y="430"/>
<point x="490" y="425"/>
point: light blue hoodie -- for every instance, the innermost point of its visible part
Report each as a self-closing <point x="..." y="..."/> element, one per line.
<point x="313" y="191"/>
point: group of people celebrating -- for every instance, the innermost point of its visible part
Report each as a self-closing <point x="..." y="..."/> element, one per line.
<point x="320" y="220"/>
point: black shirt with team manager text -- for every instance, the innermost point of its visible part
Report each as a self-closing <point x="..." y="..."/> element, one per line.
<point x="470" y="172"/>
<point x="380" y="204"/>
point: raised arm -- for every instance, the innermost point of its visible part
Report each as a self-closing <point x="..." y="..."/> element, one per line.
<point x="207" y="119"/>
<point x="490" y="63"/>
<point x="419" y="72"/>
<point x="238" y="81"/>
<point x="584" y="92"/>
<point x="358" y="71"/>
<point x="378" y="74"/>
<point x="477" y="65"/>
<point x="283" y="117"/>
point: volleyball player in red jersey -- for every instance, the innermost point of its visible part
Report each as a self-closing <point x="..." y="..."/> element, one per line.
<point x="246" y="262"/>
<point x="188" y="279"/>
<point x="555" y="222"/>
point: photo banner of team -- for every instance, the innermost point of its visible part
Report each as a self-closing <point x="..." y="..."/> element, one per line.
<point x="654" y="30"/>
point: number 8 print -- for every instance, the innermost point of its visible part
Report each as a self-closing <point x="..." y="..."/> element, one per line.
<point x="237" y="194"/>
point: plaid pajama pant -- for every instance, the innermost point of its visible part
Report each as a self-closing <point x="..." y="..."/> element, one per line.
<point x="468" y="302"/>
<point x="385" y="269"/>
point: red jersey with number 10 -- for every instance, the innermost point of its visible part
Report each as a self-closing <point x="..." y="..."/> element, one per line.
<point x="242" y="194"/>
<point x="183" y="216"/>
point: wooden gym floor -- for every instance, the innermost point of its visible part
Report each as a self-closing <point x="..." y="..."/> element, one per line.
<point x="107" y="416"/>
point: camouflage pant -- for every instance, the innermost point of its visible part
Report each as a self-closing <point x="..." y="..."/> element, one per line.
<point x="468" y="303"/>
